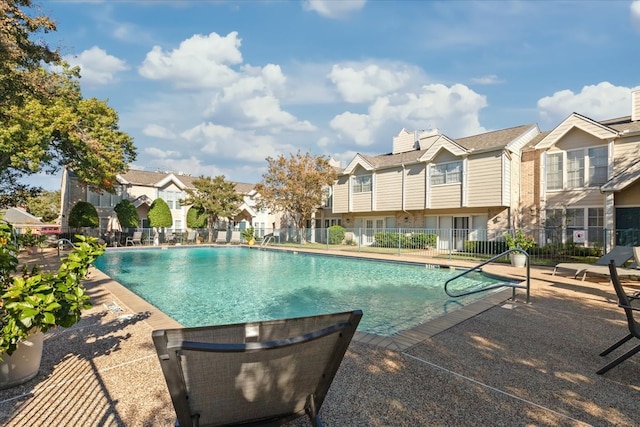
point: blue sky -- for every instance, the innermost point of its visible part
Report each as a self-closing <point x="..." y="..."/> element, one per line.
<point x="214" y="87"/>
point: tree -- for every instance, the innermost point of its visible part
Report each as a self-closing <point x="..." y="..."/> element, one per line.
<point x="215" y="197"/>
<point x="45" y="206"/>
<point x="45" y="124"/>
<point x="127" y="214"/>
<point x="160" y="214"/>
<point x="295" y="186"/>
<point x="83" y="214"/>
<point x="196" y="218"/>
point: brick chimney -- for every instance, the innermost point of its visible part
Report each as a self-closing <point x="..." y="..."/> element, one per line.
<point x="635" y="105"/>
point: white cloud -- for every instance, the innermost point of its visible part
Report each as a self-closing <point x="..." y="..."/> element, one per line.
<point x="333" y="8"/>
<point x="158" y="131"/>
<point x="265" y="111"/>
<point x="454" y="110"/>
<point x="486" y="80"/>
<point x="96" y="66"/>
<point x="599" y="102"/>
<point x="635" y="14"/>
<point x="200" y="61"/>
<point x="161" y="154"/>
<point x="363" y="83"/>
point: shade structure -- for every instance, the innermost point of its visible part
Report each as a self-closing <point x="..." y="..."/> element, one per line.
<point x="114" y="224"/>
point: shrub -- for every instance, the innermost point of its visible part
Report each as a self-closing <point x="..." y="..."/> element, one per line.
<point x="336" y="234"/>
<point x="160" y="214"/>
<point x="127" y="214"/>
<point x="83" y="214"/>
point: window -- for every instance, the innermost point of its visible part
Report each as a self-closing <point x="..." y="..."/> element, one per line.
<point x="361" y="183"/>
<point x="595" y="222"/>
<point x="105" y="200"/>
<point x="446" y="173"/>
<point x="554" y="171"/>
<point x="598" y="163"/>
<point x="575" y="169"/>
<point x="584" y="168"/>
<point x="328" y="197"/>
<point x="172" y="198"/>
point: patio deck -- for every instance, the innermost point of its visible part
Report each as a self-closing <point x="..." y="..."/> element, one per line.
<point x="511" y="364"/>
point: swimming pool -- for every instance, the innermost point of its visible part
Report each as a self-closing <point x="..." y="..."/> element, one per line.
<point x="212" y="285"/>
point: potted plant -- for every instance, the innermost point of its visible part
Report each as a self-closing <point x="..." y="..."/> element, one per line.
<point x="248" y="234"/>
<point x="519" y="240"/>
<point x="34" y="301"/>
<point x="31" y="241"/>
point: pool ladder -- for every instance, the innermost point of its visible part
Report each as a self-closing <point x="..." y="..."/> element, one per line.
<point x="62" y="242"/>
<point x="478" y="267"/>
<point x="266" y="240"/>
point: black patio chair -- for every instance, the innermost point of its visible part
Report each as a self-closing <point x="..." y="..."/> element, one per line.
<point x="625" y="302"/>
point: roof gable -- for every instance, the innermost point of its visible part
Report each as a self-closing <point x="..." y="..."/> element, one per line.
<point x="576" y="121"/>
<point x="358" y="160"/>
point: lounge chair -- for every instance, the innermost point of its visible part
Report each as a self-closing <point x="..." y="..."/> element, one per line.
<point x="235" y="237"/>
<point x="261" y="373"/>
<point x="136" y="239"/>
<point x="625" y="302"/>
<point x="632" y="271"/>
<point x="619" y="254"/>
<point x="221" y="237"/>
<point x="191" y="236"/>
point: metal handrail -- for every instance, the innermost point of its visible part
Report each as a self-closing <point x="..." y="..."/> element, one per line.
<point x="514" y="286"/>
<point x="61" y="242"/>
<point x="266" y="240"/>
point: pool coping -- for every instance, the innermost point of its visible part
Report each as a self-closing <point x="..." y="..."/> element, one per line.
<point x="401" y="341"/>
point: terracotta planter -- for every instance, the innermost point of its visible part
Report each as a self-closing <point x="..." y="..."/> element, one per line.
<point x="32" y="250"/>
<point x="23" y="364"/>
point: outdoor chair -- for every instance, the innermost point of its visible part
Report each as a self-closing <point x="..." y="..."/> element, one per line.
<point x="250" y="374"/>
<point x="625" y="302"/>
<point x="619" y="254"/>
<point x="136" y="239"/>
<point x="632" y="271"/>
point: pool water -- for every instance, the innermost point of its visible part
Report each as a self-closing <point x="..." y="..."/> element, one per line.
<point x="207" y="286"/>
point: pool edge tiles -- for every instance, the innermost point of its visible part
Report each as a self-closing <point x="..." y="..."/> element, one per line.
<point x="399" y="342"/>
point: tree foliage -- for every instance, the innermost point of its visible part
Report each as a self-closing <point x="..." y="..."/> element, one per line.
<point x="127" y="214"/>
<point x="83" y="214"/>
<point x="215" y="197"/>
<point x="196" y="218"/>
<point x="46" y="205"/>
<point x="295" y="185"/>
<point x="45" y="124"/>
<point x="160" y="214"/>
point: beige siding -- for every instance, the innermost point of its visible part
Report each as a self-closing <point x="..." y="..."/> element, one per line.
<point x="626" y="153"/>
<point x="485" y="180"/>
<point x="446" y="196"/>
<point x="341" y="195"/>
<point x="589" y="127"/>
<point x="361" y="202"/>
<point x="404" y="142"/>
<point x="575" y="198"/>
<point x="415" y="187"/>
<point x="629" y="197"/>
<point x="388" y="190"/>
<point x="445" y="156"/>
<point x="576" y="139"/>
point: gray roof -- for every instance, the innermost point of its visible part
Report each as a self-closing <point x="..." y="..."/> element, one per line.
<point x="149" y="179"/>
<point x="497" y="140"/>
<point x="622" y="123"/>
<point x="20" y="216"/>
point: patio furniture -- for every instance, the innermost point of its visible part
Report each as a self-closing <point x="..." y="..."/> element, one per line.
<point x="619" y="254"/>
<point x="136" y="239"/>
<point x="632" y="271"/>
<point x="625" y="302"/>
<point x="260" y="373"/>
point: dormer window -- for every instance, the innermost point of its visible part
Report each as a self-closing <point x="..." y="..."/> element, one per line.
<point x="361" y="183"/>
<point x="446" y="173"/>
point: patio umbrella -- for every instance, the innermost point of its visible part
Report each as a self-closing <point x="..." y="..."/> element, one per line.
<point x="113" y="226"/>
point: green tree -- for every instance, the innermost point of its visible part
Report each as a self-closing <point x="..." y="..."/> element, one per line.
<point x="45" y="124"/>
<point x="83" y="214"/>
<point x="127" y="214"/>
<point x="215" y="197"/>
<point x="45" y="206"/>
<point x="196" y="218"/>
<point x="295" y="186"/>
<point x="160" y="214"/>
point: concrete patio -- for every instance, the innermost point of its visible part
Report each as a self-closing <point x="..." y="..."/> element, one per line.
<point x="510" y="364"/>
